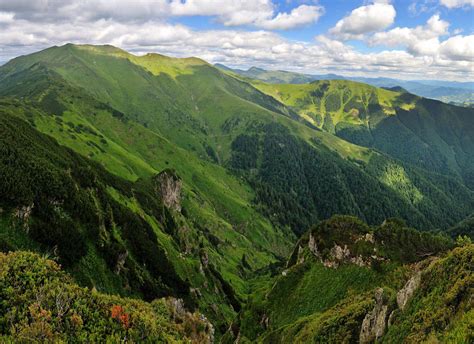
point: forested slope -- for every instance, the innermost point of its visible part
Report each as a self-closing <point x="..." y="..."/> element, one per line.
<point x="151" y="177"/>
<point x="423" y="132"/>
<point x="348" y="282"/>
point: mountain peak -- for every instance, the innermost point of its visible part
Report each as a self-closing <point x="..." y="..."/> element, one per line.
<point x="256" y="69"/>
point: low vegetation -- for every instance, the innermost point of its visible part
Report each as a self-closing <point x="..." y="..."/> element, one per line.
<point x="41" y="303"/>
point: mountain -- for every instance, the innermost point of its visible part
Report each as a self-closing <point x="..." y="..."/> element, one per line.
<point x="156" y="177"/>
<point x="348" y="282"/>
<point x="129" y="238"/>
<point x="459" y="93"/>
<point x="277" y="76"/>
<point x="423" y="132"/>
<point x="134" y="101"/>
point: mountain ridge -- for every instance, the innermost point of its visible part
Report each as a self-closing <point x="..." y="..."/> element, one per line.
<point x="153" y="177"/>
<point x="458" y="93"/>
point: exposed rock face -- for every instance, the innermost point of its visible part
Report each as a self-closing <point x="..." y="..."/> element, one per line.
<point x="406" y="293"/>
<point x="265" y="321"/>
<point x="374" y="324"/>
<point x="342" y="254"/>
<point x="313" y="247"/>
<point x="204" y="258"/>
<point x="121" y="262"/>
<point x="368" y="237"/>
<point x="339" y="254"/>
<point x="23" y="214"/>
<point x="168" y="186"/>
<point x="300" y="255"/>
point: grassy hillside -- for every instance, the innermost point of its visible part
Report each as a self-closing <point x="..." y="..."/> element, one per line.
<point x="135" y="102"/>
<point x="328" y="287"/>
<point x="446" y="91"/>
<point x="149" y="176"/>
<point x="426" y="133"/>
<point x="116" y="235"/>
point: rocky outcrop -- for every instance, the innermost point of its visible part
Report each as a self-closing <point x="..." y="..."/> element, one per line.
<point x="406" y="293"/>
<point x="198" y="328"/>
<point x="313" y="247"/>
<point x="23" y="215"/>
<point x="168" y="186"/>
<point x="382" y="315"/>
<point x="375" y="322"/>
<point x="204" y="257"/>
<point x="121" y="259"/>
<point x="300" y="255"/>
<point x="338" y="254"/>
<point x="342" y="254"/>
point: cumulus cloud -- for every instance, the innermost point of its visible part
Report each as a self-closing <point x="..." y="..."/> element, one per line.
<point x="424" y="41"/>
<point x="146" y="29"/>
<point x="457" y="3"/>
<point x="299" y="16"/>
<point x="458" y="48"/>
<point x="260" y="13"/>
<point x="421" y="40"/>
<point x="375" y="17"/>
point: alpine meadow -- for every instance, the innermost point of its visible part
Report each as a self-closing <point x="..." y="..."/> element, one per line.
<point x="158" y="187"/>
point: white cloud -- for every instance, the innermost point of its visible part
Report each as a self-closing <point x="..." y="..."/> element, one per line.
<point x="143" y="30"/>
<point x="299" y="16"/>
<point x="259" y="13"/>
<point x="457" y="3"/>
<point x="375" y="17"/>
<point x="421" y="40"/>
<point x="458" y="48"/>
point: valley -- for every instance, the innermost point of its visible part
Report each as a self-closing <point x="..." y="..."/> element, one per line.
<point x="214" y="207"/>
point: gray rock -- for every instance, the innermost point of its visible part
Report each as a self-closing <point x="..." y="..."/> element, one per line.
<point x="374" y="323"/>
<point x="406" y="293"/>
<point x="168" y="186"/>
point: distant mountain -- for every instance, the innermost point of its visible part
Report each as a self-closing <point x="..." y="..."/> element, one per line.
<point x="423" y="132"/>
<point x="460" y="93"/>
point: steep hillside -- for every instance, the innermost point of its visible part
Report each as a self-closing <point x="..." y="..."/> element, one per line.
<point x="150" y="238"/>
<point x="150" y="177"/>
<point x="185" y="100"/>
<point x="140" y="106"/>
<point x="347" y="282"/>
<point x="463" y="228"/>
<point x="427" y="133"/>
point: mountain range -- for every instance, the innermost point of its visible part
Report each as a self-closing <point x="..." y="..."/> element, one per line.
<point x="212" y="196"/>
<point x="454" y="92"/>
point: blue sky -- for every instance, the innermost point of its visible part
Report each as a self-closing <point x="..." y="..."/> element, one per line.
<point x="400" y="38"/>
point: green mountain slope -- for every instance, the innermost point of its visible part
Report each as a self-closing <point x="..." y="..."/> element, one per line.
<point x="465" y="227"/>
<point x="347" y="282"/>
<point x="152" y="176"/>
<point x="427" y="133"/>
<point x="446" y="91"/>
<point x="111" y="234"/>
<point x="204" y="111"/>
